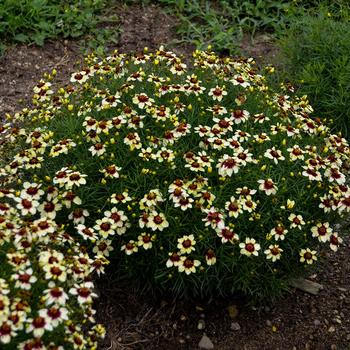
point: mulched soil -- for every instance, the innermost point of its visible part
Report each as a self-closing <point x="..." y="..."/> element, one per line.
<point x="298" y="321"/>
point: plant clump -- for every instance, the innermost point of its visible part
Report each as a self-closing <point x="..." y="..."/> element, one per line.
<point x="190" y="178"/>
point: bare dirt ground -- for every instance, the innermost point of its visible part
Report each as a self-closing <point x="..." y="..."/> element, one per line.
<point x="298" y="321"/>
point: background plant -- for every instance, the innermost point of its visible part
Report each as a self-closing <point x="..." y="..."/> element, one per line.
<point x="34" y="21"/>
<point x="315" y="54"/>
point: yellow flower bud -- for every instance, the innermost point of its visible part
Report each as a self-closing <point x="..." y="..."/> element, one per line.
<point x="70" y="107"/>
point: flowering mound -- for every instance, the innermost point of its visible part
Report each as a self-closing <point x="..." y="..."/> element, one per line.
<point x="200" y="181"/>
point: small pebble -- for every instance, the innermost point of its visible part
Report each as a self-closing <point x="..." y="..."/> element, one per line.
<point x="268" y="323"/>
<point x="317" y="322"/>
<point x="333" y="347"/>
<point x="331" y="329"/>
<point x="205" y="343"/>
<point x="201" y="324"/>
<point x="235" y="326"/>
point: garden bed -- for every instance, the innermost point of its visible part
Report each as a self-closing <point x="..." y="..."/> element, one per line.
<point x="299" y="321"/>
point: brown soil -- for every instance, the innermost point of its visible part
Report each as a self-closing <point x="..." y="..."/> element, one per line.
<point x="299" y="321"/>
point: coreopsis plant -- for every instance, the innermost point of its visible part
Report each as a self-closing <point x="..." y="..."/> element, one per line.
<point x="191" y="178"/>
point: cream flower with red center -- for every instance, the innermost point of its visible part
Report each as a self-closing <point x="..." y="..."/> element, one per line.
<point x="87" y="233"/>
<point x="69" y="198"/>
<point x="322" y="231"/>
<point x="142" y="101"/>
<point x="133" y="140"/>
<point x="295" y="153"/>
<point x="274" y="154"/>
<point x="31" y="191"/>
<point x="90" y="124"/>
<point x="178" y="68"/>
<point x="38" y="326"/>
<point x="335" y="241"/>
<point x="50" y="208"/>
<point x="188" y="265"/>
<point x="217" y="93"/>
<point x="111" y="171"/>
<point x="210" y="257"/>
<point x="123" y="197"/>
<point x="239" y="116"/>
<point x="147" y="154"/>
<point x="54" y="315"/>
<point x="55" y="272"/>
<point x="228" y="165"/>
<point x="334" y="175"/>
<point x="151" y="199"/>
<point x="97" y="149"/>
<point x="297" y="221"/>
<point x="214" y="218"/>
<point x="240" y="80"/>
<point x="206" y="198"/>
<point x="110" y="101"/>
<point x="279" y="232"/>
<point x="130" y="247"/>
<point x="311" y="173"/>
<point x="307" y="255"/>
<point x="78" y="216"/>
<point x="7" y="332"/>
<point x="234" y="207"/>
<point x="103" y="247"/>
<point x="55" y="295"/>
<point x="157" y="221"/>
<point x="173" y="260"/>
<point x="268" y="186"/>
<point x="83" y="292"/>
<point x="120" y="220"/>
<point x="227" y="235"/>
<point x="24" y="279"/>
<point x="184" y="202"/>
<point x="105" y="227"/>
<point x="249" y="247"/>
<point x="248" y="204"/>
<point x="186" y="244"/>
<point x="75" y="179"/>
<point x="328" y="204"/>
<point x="165" y="155"/>
<point x="273" y="253"/>
<point x="145" y="240"/>
<point x="27" y="206"/>
<point x="80" y="77"/>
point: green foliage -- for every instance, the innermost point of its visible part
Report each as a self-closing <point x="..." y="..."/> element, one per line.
<point x="199" y="182"/>
<point x="315" y="53"/>
<point x="221" y="23"/>
<point x="34" y="21"/>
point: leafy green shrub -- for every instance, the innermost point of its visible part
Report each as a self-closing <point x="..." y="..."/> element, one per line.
<point x="315" y="53"/>
<point x="33" y="21"/>
<point x="191" y="181"/>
